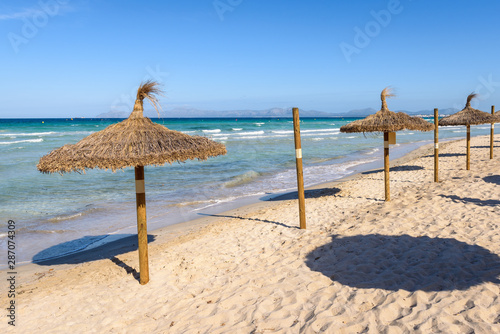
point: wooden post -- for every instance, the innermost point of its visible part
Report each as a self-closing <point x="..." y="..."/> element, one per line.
<point x="386" y="167"/>
<point x="492" y="132"/>
<point x="468" y="147"/>
<point x="436" y="145"/>
<point x="142" y="229"/>
<point x="300" y="174"/>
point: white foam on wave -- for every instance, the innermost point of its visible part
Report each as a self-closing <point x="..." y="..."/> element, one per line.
<point x="283" y="181"/>
<point x="229" y="199"/>
<point x="242" y="179"/>
<point x="320" y="134"/>
<point x="71" y="133"/>
<point x="259" y="124"/>
<point x="316" y="131"/>
<point x="250" y="133"/>
<point x="246" y="136"/>
<point x="332" y="172"/>
<point x="68" y="217"/>
<point x="252" y="137"/>
<point x="237" y="129"/>
<point x="372" y="151"/>
<point x="23" y="134"/>
<point x="21" y="141"/>
<point x="211" y="131"/>
<point x="320" y="130"/>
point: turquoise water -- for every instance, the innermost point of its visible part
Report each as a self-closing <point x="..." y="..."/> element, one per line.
<point x="50" y="209"/>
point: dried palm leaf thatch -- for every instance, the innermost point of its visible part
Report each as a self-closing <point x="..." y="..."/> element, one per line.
<point x="468" y="116"/>
<point x="136" y="141"/>
<point x="387" y="121"/>
<point x="386" y="93"/>
<point x="148" y="90"/>
<point x="132" y="142"/>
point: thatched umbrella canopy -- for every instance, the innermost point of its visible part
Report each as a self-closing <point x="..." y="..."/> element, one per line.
<point x="468" y="116"/>
<point x="134" y="142"/>
<point x="387" y="121"/>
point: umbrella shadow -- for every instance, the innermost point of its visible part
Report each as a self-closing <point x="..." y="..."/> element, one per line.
<point x="405" y="262"/>
<point x="444" y="155"/>
<point x="477" y="201"/>
<point x="75" y="251"/>
<point x="254" y="219"/>
<point x="310" y="193"/>
<point x="492" y="179"/>
<point x="395" y="169"/>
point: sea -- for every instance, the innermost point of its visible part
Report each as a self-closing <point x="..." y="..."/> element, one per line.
<point x="56" y="215"/>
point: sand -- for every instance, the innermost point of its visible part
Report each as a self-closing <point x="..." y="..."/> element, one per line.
<point x="426" y="262"/>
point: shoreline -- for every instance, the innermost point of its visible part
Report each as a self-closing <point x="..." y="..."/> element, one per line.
<point x="115" y="242"/>
<point x="80" y="212"/>
<point x="182" y="218"/>
<point x="427" y="261"/>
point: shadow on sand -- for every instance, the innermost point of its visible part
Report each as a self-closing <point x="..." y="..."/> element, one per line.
<point x="74" y="251"/>
<point x="254" y="219"/>
<point x="477" y="201"/>
<point x="492" y="179"/>
<point x="488" y="146"/>
<point x="404" y="262"/>
<point x="311" y="193"/>
<point x="395" y="169"/>
<point x="444" y="155"/>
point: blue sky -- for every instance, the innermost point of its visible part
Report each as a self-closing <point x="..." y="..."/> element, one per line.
<point x="71" y="58"/>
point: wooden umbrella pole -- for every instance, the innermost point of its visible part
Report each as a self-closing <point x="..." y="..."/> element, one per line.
<point x="300" y="174"/>
<point x="436" y="145"/>
<point x="468" y="147"/>
<point x="386" y="166"/>
<point x="492" y="132"/>
<point x="142" y="229"/>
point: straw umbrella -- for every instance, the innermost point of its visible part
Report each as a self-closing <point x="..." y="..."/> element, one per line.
<point x="468" y="116"/>
<point x="388" y="122"/>
<point x="134" y="142"/>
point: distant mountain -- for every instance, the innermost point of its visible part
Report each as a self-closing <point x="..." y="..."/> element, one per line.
<point x="442" y="112"/>
<point x="196" y="113"/>
<point x="273" y="112"/>
<point x="369" y="111"/>
<point x="359" y="112"/>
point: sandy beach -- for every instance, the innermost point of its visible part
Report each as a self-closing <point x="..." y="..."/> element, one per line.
<point x="428" y="261"/>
